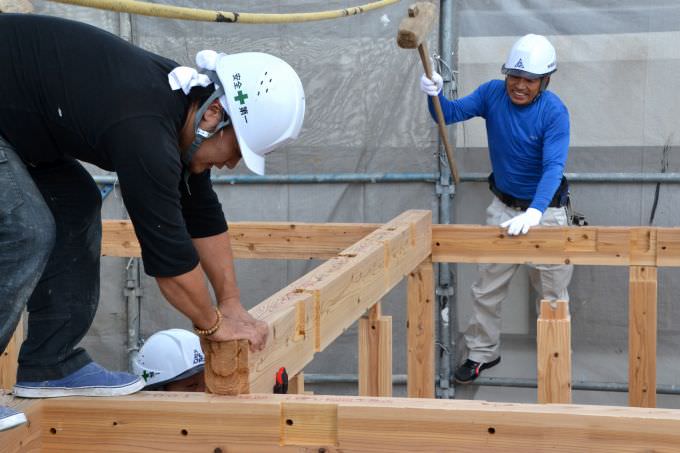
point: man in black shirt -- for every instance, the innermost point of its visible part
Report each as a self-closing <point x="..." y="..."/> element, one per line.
<point x="72" y="92"/>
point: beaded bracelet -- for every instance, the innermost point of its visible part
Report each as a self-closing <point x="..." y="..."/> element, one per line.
<point x="211" y="330"/>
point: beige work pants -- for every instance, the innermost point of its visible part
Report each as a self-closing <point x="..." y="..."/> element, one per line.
<point x="550" y="281"/>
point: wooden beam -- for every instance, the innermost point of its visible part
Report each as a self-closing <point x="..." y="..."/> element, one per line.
<point x="190" y="422"/>
<point x="257" y="240"/>
<point x="26" y="438"/>
<point x="553" y="351"/>
<point x="609" y="246"/>
<point x="346" y="286"/>
<point x="291" y="317"/>
<point x="226" y="366"/>
<point x="642" y="310"/>
<point x="9" y="357"/>
<point x="375" y="353"/>
<point x="311" y="312"/>
<point x="296" y="384"/>
<point x="420" y="331"/>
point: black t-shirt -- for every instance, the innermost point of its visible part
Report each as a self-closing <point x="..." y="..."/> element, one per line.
<point x="68" y="89"/>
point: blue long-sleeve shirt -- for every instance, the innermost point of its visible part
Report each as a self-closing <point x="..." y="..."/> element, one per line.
<point x="528" y="145"/>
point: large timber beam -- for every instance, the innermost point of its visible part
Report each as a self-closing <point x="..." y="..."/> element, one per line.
<point x="607" y="246"/>
<point x="26" y="438"/>
<point x="195" y="422"/>
<point x="257" y="240"/>
<point x="8" y="358"/>
<point x="307" y="315"/>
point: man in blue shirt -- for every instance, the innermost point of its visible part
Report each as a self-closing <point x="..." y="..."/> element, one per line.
<point x="528" y="137"/>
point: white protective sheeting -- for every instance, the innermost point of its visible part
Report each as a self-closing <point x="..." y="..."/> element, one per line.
<point x="619" y="75"/>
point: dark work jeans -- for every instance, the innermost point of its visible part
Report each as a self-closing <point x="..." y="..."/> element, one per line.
<point x="50" y="242"/>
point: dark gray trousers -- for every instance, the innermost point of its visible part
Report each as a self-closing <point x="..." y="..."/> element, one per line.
<point x="50" y="242"/>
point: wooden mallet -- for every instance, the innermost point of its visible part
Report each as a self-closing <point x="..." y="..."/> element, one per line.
<point x="412" y="34"/>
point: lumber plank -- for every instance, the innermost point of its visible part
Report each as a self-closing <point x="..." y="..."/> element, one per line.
<point x="292" y="339"/>
<point x="668" y="247"/>
<point x="642" y="316"/>
<point x="307" y="315"/>
<point x="346" y="286"/>
<point x="296" y="384"/>
<point x="190" y="422"/>
<point x="607" y="246"/>
<point x="119" y="239"/>
<point x="257" y="240"/>
<point x="553" y="352"/>
<point x="375" y="353"/>
<point x="420" y="331"/>
<point x="226" y="366"/>
<point x="26" y="438"/>
<point x="9" y="357"/>
<point x="284" y="240"/>
<point x="610" y="246"/>
<point x="308" y="424"/>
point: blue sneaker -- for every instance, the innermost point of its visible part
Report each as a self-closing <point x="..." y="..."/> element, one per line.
<point x="90" y="380"/>
<point x="9" y="418"/>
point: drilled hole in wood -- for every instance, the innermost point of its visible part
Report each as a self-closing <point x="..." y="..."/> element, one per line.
<point x="217" y="450"/>
<point x="53" y="430"/>
<point x="567" y="261"/>
<point x="184" y="432"/>
<point x="557" y="354"/>
<point x="537" y="246"/>
<point x="492" y="430"/>
<point x="663" y="247"/>
<point x="322" y="450"/>
<point x="115" y="423"/>
<point x="437" y="244"/>
<point x="289" y="422"/>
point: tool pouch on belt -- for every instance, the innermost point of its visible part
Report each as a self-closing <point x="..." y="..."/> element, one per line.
<point x="560" y="199"/>
<point x="575" y="218"/>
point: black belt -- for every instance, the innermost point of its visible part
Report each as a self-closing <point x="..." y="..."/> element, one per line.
<point x="560" y="199"/>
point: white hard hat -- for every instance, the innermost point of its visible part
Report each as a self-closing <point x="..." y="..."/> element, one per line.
<point x="169" y="355"/>
<point x="531" y="57"/>
<point x="264" y="99"/>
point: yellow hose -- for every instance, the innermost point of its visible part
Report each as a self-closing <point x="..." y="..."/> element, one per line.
<point x="178" y="12"/>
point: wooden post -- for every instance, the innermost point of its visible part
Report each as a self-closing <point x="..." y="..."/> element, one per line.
<point x="642" y="336"/>
<point x="8" y="359"/>
<point x="226" y="366"/>
<point x="296" y="384"/>
<point x="553" y="361"/>
<point x="375" y="353"/>
<point x="420" y="331"/>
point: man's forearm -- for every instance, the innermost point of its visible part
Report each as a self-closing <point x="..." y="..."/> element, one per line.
<point x="189" y="294"/>
<point x="217" y="260"/>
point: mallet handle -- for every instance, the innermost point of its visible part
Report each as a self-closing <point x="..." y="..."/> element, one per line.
<point x="422" y="49"/>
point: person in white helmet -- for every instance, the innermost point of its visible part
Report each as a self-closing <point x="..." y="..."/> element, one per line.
<point x="171" y="360"/>
<point x="91" y="96"/>
<point x="528" y="138"/>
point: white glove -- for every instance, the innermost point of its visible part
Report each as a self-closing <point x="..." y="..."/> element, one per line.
<point x="431" y="87"/>
<point x="521" y="223"/>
